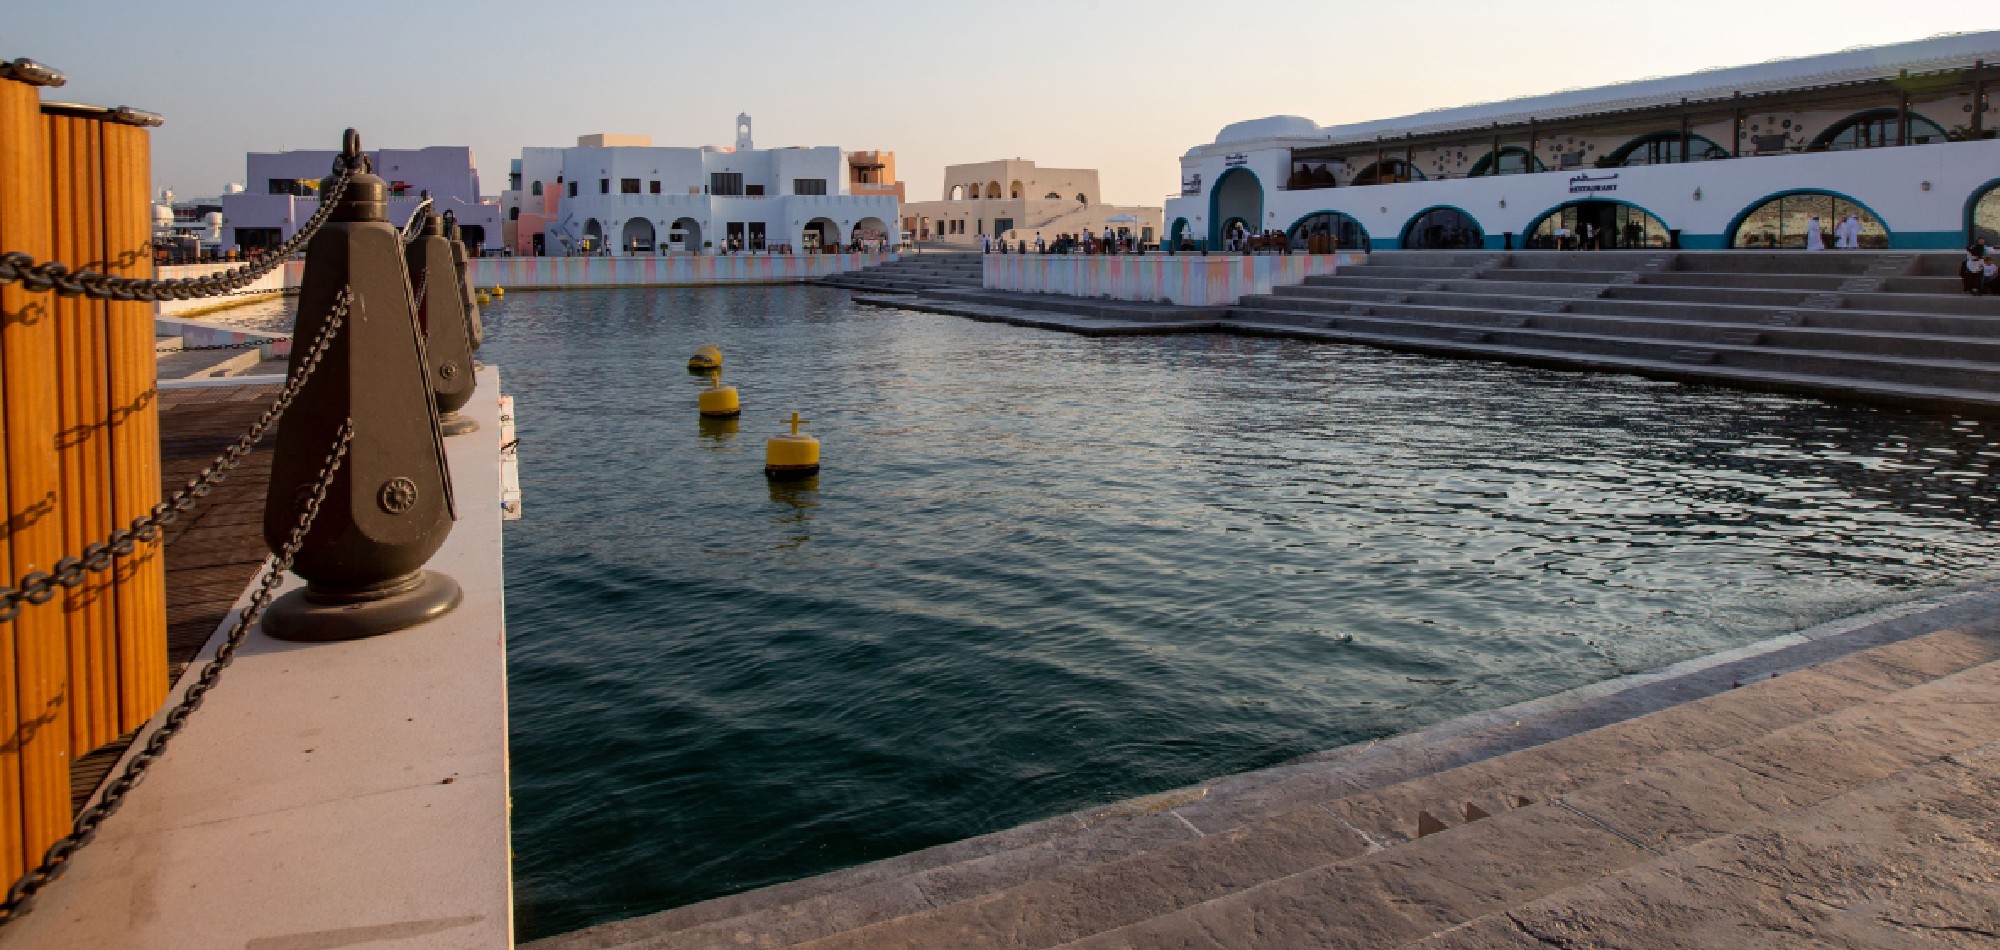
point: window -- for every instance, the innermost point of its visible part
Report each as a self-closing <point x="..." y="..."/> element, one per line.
<point x="604" y="186"/>
<point x="1052" y="196"/>
<point x="1443" y="229"/>
<point x="725" y="183"/>
<point x="808" y="186"/>
<point x="514" y="181"/>
<point x="1614" y="225"/>
<point x="1876" y="128"/>
<point x="1326" y="231"/>
<point x="753" y="190"/>
<point x="1782" y="222"/>
<point x="628" y="186"/>
<point x="572" y="189"/>
<point x="538" y="188"/>
<point x="513" y="214"/>
<point x="655" y="187"/>
<point x="302" y="187"/>
<point x="1514" y="160"/>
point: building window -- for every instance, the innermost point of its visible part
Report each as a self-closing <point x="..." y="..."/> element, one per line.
<point x="628" y="186"/>
<point x="1876" y="128"/>
<point x="538" y="189"/>
<point x="514" y="181"/>
<point x="753" y="190"/>
<point x="655" y="186"/>
<point x="572" y="189"/>
<point x="1514" y="160"/>
<point x="604" y="186"/>
<point x="725" y="183"/>
<point x="808" y="186"/>
<point x="513" y="214"/>
<point x="1326" y="231"/>
<point x="1782" y="222"/>
<point x="1443" y="229"/>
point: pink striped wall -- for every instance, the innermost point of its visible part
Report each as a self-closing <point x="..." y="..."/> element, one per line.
<point x="530" y="273"/>
<point x="1181" y="279"/>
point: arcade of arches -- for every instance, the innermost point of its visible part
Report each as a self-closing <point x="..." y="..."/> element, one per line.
<point x="1782" y="222"/>
<point x="1601" y="224"/>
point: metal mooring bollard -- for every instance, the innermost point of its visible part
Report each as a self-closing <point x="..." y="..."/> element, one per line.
<point x="468" y="294"/>
<point x="390" y="506"/>
<point x="441" y="314"/>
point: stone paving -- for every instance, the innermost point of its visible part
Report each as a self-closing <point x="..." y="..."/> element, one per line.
<point x="1834" y="788"/>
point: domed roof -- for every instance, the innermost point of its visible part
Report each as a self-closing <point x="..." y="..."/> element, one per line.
<point x="1266" y="127"/>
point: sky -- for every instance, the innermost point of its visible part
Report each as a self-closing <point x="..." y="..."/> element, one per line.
<point x="1124" y="86"/>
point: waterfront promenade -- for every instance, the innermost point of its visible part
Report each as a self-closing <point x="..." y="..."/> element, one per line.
<point x="1831" y="788"/>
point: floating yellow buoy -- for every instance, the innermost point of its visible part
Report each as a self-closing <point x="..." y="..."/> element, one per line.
<point x="499" y="291"/>
<point x="706" y="357"/>
<point x="482" y="298"/>
<point x="718" y="401"/>
<point x="792" y="456"/>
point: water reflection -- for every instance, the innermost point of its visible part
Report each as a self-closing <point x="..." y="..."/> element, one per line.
<point x="719" y="433"/>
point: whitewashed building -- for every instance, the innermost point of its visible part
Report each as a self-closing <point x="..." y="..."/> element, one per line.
<point x="1900" y="137"/>
<point x="620" y="195"/>
<point x="282" y="191"/>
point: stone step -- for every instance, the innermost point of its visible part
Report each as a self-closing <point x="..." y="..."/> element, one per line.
<point x="1359" y="829"/>
<point x="1503" y="854"/>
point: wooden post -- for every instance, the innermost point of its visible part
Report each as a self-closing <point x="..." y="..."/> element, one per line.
<point x="35" y="753"/>
<point x="1903" y="120"/>
<point x="135" y="424"/>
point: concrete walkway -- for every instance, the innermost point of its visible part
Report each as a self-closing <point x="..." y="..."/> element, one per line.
<point x="1834" y="788"/>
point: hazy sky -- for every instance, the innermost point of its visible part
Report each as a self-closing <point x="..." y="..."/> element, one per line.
<point x="1122" y="86"/>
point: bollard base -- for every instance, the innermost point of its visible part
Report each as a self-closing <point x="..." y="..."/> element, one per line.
<point x="451" y="423"/>
<point x="317" y="615"/>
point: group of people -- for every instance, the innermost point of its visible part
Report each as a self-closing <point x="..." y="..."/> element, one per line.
<point x="1111" y="242"/>
<point x="1846" y="234"/>
<point x="1980" y="275"/>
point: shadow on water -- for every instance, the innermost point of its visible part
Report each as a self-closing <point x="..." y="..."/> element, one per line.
<point x="1042" y="571"/>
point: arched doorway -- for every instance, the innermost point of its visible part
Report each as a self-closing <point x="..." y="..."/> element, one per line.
<point x="1442" y="228"/>
<point x="1664" y="148"/>
<point x="1386" y="172"/>
<point x="957" y="193"/>
<point x="1982" y="215"/>
<point x="593" y="237"/>
<point x="1177" y="232"/>
<point x="636" y="238"/>
<point x="1874" y="129"/>
<point x="871" y="232"/>
<point x="1324" y="232"/>
<point x="1238" y="197"/>
<point x="684" y="236"/>
<point x="1015" y="191"/>
<point x="819" y="234"/>
<point x="1616" y="224"/>
<point x="993" y="189"/>
<point x="1782" y="220"/>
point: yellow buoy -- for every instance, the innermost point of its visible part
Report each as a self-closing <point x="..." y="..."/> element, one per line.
<point x="482" y="298"/>
<point x="792" y="456"/>
<point x="706" y="357"/>
<point x="499" y="291"/>
<point x="718" y="401"/>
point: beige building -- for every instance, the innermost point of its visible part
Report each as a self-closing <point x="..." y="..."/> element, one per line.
<point x="1015" y="200"/>
<point x="874" y="173"/>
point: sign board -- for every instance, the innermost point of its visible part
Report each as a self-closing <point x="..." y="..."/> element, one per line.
<point x="1587" y="184"/>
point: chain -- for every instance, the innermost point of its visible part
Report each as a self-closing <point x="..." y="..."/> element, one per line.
<point x="56" y="859"/>
<point x="248" y="345"/>
<point x="39" y="587"/>
<point x="415" y="226"/>
<point x="16" y="266"/>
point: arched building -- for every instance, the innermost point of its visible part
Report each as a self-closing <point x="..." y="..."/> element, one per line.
<point x="1013" y="200"/>
<point x="1900" y="137"/>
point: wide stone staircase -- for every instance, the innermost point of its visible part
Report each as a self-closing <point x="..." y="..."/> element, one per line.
<point x="1882" y="326"/>
<point x="1831" y="794"/>
<point x="914" y="273"/>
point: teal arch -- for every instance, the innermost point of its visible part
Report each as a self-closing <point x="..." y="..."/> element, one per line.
<point x="1971" y="206"/>
<point x="1729" y="233"/>
<point x="1215" y="223"/>
<point x="1403" y="236"/>
<point x="1622" y="152"/>
<point x="1175" y="231"/>
<point x="1917" y="121"/>
<point x="1544" y="216"/>
<point x="1416" y="174"/>
<point x="1486" y="162"/>
<point x="1367" y="241"/>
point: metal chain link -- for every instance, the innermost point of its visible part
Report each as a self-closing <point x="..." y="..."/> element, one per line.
<point x="16" y="266"/>
<point x="250" y="345"/>
<point x="56" y="859"/>
<point x="39" y="587"/>
<point x="414" y="227"/>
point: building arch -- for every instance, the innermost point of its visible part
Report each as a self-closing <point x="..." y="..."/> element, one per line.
<point x="870" y="230"/>
<point x="1661" y="148"/>
<point x="1442" y="227"/>
<point x="538" y="189"/>
<point x="1177" y="231"/>
<point x="819" y="233"/>
<point x="1874" y="128"/>
<point x="1780" y="220"/>
<point x="636" y="237"/>
<point x="1015" y="190"/>
<point x="957" y="193"/>
<point x="1513" y="160"/>
<point x="1388" y="171"/>
<point x="593" y="236"/>
<point x="1052" y="196"/>
<point x="993" y="189"/>
<point x="1347" y="232"/>
<point x="1982" y="214"/>
<point x="690" y="230"/>
<point x="1619" y="224"/>
<point x="1237" y="196"/>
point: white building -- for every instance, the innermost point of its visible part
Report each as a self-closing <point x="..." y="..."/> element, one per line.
<point x="620" y="195"/>
<point x="1901" y="137"/>
<point x="283" y="191"/>
<point x="1016" y="200"/>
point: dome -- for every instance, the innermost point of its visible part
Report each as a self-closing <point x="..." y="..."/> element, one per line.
<point x="1264" y="128"/>
<point x="163" y="214"/>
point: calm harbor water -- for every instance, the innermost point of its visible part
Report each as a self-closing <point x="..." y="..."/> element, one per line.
<point x="1042" y="571"/>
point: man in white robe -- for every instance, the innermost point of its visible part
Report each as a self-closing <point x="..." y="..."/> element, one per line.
<point x="1815" y="240"/>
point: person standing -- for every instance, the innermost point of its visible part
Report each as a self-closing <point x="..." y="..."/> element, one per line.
<point x="985" y="243"/>
<point x="1852" y="235"/>
<point x="1972" y="274"/>
<point x="1040" y="248"/>
<point x="1815" y="241"/>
